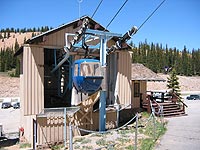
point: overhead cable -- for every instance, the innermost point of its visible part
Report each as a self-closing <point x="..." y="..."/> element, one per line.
<point x="151" y="14"/>
<point x="97" y="8"/>
<point x="116" y="14"/>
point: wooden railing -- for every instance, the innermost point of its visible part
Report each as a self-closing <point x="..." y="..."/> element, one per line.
<point x="176" y="98"/>
<point x="149" y="103"/>
<point x="84" y="115"/>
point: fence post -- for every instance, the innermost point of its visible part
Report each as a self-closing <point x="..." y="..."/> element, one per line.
<point x="34" y="134"/>
<point x="136" y="132"/>
<point x="117" y="109"/>
<point x="65" y="127"/>
<point x="154" y="126"/>
<point x="161" y="115"/>
<point x="70" y="136"/>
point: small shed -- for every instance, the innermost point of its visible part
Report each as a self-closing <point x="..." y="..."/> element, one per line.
<point x="42" y="90"/>
<point x="140" y="76"/>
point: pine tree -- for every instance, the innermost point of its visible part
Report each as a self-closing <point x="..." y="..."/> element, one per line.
<point x="12" y="29"/>
<point x="8" y="35"/>
<point x="24" y="39"/>
<point x="16" y="45"/>
<point x="33" y="34"/>
<point x="5" y="36"/>
<point x="1" y="37"/>
<point x="17" y="72"/>
<point x="2" y="60"/>
<point x="173" y="83"/>
<point x="42" y="29"/>
<point x="34" y="29"/>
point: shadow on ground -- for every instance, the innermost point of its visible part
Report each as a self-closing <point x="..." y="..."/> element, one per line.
<point x="4" y="142"/>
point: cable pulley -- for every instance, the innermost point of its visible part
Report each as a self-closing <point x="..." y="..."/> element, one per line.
<point x="125" y="38"/>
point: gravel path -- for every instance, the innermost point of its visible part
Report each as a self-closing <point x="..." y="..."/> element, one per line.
<point x="183" y="133"/>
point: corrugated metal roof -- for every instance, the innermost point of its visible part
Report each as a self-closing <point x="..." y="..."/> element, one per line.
<point x="35" y="38"/>
<point x="60" y="27"/>
<point x="39" y="37"/>
<point x="140" y="72"/>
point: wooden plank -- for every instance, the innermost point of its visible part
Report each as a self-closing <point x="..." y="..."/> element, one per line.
<point x="24" y="90"/>
<point x="29" y="79"/>
<point x="33" y="80"/>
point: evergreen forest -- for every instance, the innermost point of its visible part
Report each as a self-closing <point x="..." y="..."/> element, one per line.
<point x="7" y="60"/>
<point x="155" y="56"/>
<point x="162" y="59"/>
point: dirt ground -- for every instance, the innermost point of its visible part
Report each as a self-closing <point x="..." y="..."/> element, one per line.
<point x="186" y="83"/>
<point x="9" y="87"/>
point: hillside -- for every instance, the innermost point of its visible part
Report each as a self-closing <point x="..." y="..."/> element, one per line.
<point x="186" y="83"/>
<point x="9" y="42"/>
<point x="9" y="87"/>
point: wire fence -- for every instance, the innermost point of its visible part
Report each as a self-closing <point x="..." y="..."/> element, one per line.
<point x="150" y="122"/>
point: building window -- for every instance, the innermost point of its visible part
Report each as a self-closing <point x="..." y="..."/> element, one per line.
<point x="136" y="89"/>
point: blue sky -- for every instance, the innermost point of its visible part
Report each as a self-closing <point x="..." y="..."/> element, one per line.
<point x="176" y="23"/>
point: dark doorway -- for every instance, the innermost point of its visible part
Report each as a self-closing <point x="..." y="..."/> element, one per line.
<point x="57" y="85"/>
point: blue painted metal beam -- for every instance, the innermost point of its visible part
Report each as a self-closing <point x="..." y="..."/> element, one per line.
<point x="102" y="111"/>
<point x="102" y="33"/>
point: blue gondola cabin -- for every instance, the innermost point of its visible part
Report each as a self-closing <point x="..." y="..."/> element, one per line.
<point x="87" y="76"/>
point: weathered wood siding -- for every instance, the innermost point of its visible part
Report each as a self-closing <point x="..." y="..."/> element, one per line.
<point x="33" y="80"/>
<point x="57" y="39"/>
<point x="124" y="77"/>
<point x="111" y="120"/>
<point x="50" y="130"/>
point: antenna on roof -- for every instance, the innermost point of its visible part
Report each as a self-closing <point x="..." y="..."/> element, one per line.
<point x="79" y="7"/>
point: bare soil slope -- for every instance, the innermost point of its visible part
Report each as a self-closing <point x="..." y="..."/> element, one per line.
<point x="9" y="87"/>
<point x="186" y="83"/>
<point x="20" y="37"/>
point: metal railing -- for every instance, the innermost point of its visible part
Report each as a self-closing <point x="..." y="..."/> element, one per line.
<point x="178" y="99"/>
<point x="64" y="112"/>
<point x="136" y="118"/>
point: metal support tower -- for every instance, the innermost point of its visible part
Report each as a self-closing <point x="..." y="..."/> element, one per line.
<point x="104" y="37"/>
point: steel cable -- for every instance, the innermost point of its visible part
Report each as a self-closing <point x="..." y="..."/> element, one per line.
<point x="90" y="131"/>
<point x="151" y="14"/>
<point x="116" y="14"/>
<point x="96" y="9"/>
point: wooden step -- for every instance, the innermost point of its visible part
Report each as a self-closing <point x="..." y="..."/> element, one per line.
<point x="174" y="114"/>
<point x="171" y="109"/>
<point x="169" y="105"/>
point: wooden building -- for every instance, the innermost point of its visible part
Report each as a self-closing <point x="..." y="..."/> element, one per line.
<point x="140" y="76"/>
<point x="41" y="90"/>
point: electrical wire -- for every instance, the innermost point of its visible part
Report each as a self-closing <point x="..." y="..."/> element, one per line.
<point x="116" y="14"/>
<point x="151" y="14"/>
<point x="97" y="8"/>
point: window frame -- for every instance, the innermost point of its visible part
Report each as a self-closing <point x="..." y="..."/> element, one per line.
<point x="136" y="89"/>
